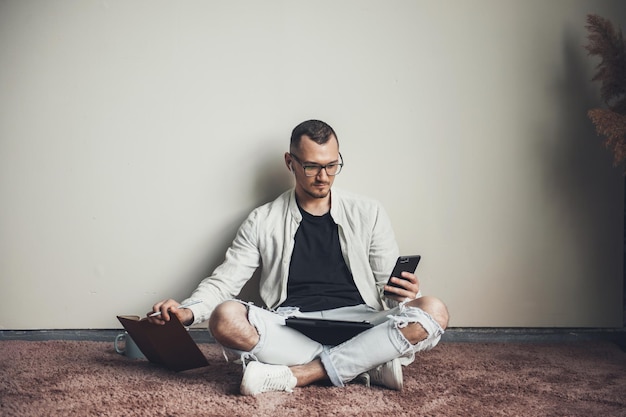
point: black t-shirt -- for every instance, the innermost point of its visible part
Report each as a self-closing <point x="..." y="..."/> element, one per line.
<point x="319" y="278"/>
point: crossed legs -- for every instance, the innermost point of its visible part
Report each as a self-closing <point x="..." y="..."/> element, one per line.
<point x="230" y="326"/>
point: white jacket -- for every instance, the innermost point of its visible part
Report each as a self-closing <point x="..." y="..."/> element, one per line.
<point x="266" y="239"/>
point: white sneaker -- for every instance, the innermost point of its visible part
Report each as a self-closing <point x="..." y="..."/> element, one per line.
<point x="260" y="377"/>
<point x="387" y="375"/>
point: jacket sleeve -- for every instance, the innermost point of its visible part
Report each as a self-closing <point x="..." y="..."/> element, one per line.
<point x="383" y="251"/>
<point x="242" y="259"/>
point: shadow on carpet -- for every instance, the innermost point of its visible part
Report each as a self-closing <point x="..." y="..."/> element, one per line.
<point x="78" y="378"/>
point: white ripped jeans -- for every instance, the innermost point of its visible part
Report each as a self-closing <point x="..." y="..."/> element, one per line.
<point x="282" y="345"/>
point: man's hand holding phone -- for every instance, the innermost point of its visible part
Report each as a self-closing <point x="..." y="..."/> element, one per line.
<point x="407" y="286"/>
<point x="403" y="283"/>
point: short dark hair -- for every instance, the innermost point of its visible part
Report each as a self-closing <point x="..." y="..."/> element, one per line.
<point x="318" y="131"/>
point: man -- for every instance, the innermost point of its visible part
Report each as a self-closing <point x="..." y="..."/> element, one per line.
<point x="325" y="254"/>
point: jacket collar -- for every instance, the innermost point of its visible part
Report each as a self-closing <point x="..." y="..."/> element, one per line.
<point x="335" y="206"/>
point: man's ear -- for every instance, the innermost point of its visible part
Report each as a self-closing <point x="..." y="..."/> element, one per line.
<point x="289" y="163"/>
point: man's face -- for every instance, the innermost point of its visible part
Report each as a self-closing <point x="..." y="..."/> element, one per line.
<point x="311" y="153"/>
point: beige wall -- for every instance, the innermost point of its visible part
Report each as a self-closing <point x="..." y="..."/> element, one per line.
<point x="135" y="137"/>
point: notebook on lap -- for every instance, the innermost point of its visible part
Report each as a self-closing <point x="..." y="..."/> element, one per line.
<point x="325" y="331"/>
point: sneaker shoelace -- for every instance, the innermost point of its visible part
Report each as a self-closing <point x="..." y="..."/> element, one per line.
<point x="277" y="381"/>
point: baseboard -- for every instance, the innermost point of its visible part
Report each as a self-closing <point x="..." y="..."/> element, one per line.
<point x="95" y="335"/>
<point x="452" y="335"/>
<point x="534" y="335"/>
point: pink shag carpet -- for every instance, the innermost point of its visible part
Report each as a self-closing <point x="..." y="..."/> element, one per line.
<point x="85" y="378"/>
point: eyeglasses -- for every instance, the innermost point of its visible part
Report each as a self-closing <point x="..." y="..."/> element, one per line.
<point x="313" y="170"/>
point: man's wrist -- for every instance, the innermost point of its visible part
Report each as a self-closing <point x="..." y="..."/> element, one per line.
<point x="188" y="317"/>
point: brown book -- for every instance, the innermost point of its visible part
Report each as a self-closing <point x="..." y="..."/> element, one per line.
<point x="169" y="345"/>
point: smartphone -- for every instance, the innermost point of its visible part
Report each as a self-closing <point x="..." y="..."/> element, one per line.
<point x="403" y="263"/>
